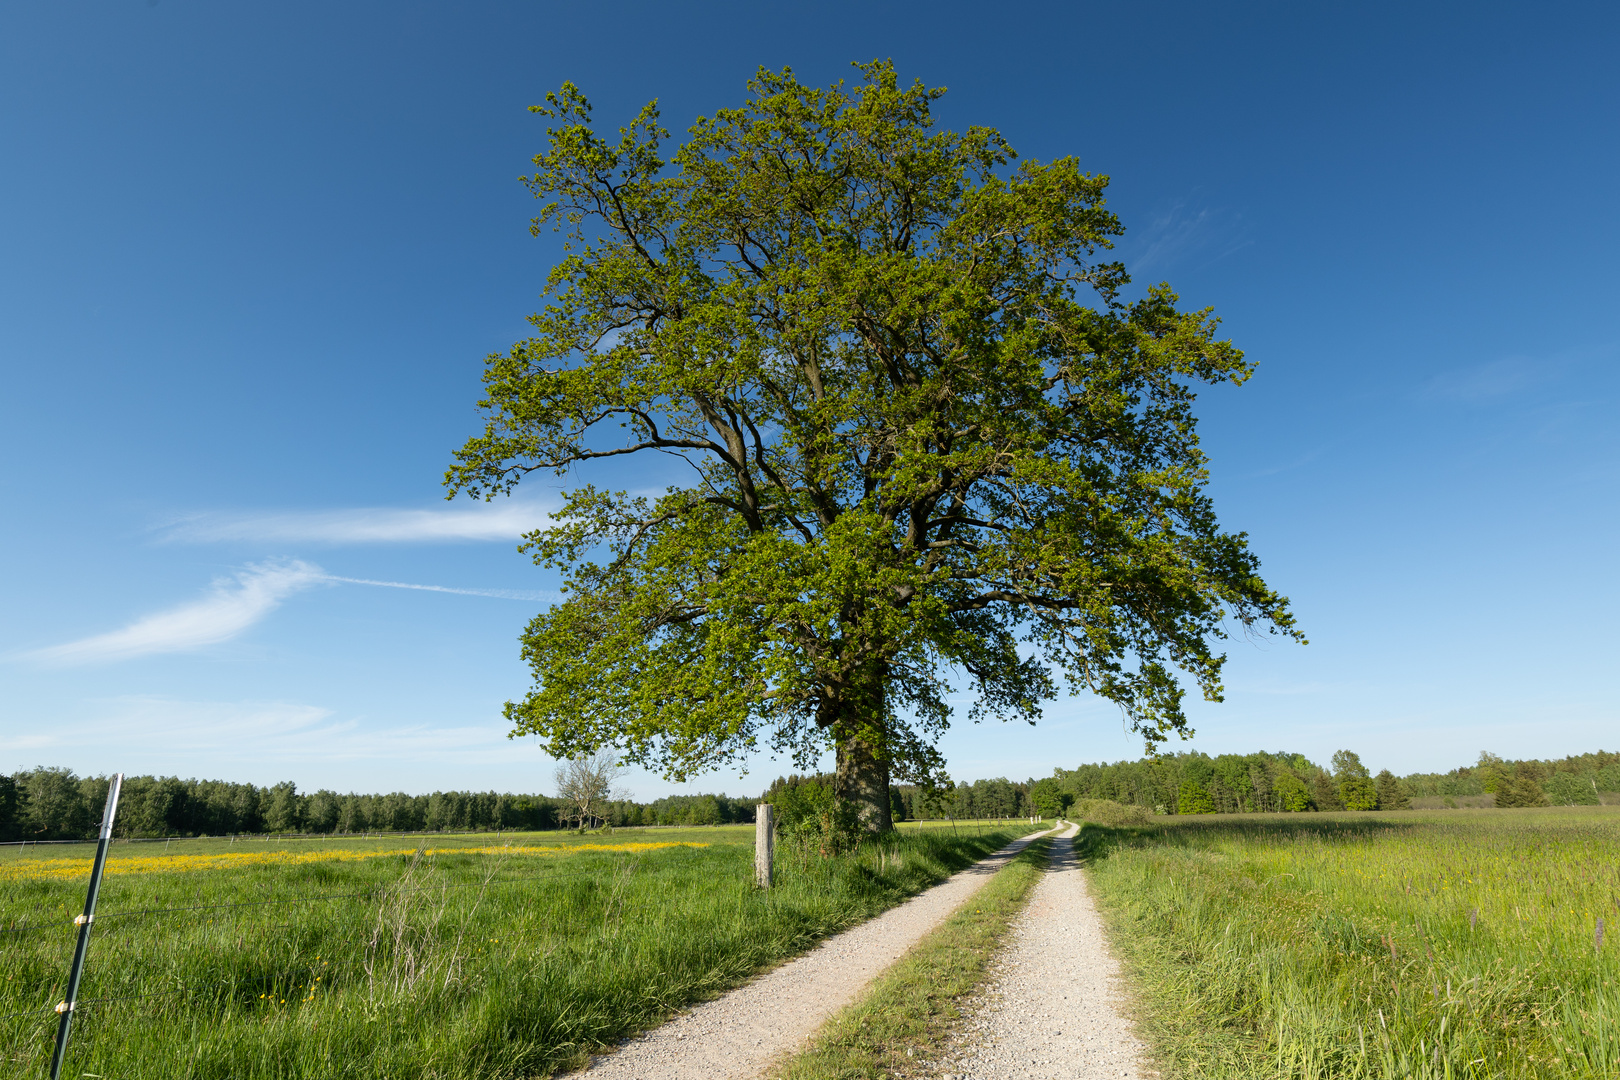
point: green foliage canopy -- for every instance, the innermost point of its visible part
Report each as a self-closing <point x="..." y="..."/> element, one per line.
<point x="926" y="435"/>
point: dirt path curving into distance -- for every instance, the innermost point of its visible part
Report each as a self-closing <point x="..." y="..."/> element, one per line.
<point x="735" y="1037"/>
<point x="1051" y="1009"/>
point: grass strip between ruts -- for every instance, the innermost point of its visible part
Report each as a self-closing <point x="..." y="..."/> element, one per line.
<point x="912" y="1010"/>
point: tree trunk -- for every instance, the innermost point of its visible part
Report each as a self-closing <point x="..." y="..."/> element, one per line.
<point x="858" y="719"/>
<point x="863" y="779"/>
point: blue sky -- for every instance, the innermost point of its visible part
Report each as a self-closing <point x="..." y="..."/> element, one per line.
<point x="255" y="254"/>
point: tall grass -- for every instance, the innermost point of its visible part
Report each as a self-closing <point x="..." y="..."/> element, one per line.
<point x="509" y="959"/>
<point x="1459" y="944"/>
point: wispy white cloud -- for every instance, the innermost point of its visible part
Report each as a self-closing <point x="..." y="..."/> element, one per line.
<point x="1288" y="466"/>
<point x="1282" y="688"/>
<point x="1495" y="379"/>
<point x="230" y="607"/>
<point x="1181" y="234"/>
<point x="208" y="732"/>
<point x="506" y="520"/>
<point x="1514" y="376"/>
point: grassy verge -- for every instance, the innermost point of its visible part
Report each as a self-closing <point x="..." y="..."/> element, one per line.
<point x="476" y="958"/>
<point x="907" y="1018"/>
<point x="1452" y="945"/>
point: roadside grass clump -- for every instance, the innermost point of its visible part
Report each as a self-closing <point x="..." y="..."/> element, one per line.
<point x="1464" y="944"/>
<point x="484" y="958"/>
<point x="907" y="1018"/>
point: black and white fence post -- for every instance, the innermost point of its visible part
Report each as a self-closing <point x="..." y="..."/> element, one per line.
<point x="764" y="843"/>
<point x="83" y="922"/>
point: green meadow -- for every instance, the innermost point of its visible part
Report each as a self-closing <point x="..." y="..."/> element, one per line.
<point x="1452" y="944"/>
<point x="471" y="956"/>
<point x="1449" y="944"/>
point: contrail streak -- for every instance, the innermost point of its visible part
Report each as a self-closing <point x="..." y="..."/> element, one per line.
<point x="499" y="594"/>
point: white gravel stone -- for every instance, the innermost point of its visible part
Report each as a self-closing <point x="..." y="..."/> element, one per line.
<point x="1052" y="1009"/>
<point x="737" y="1036"/>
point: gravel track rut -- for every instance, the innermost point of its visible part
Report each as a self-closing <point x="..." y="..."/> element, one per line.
<point x="1052" y="1008"/>
<point x="737" y="1036"/>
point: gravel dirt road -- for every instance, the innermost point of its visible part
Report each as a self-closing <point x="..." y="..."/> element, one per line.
<point x="737" y="1036"/>
<point x="1052" y="1008"/>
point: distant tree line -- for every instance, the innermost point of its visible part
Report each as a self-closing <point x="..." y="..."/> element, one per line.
<point x="1195" y="783"/>
<point x="1580" y="780"/>
<point x="993" y="798"/>
<point x="54" y="804"/>
<point x="683" y="810"/>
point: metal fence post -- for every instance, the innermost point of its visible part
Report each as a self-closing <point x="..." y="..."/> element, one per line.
<point x="83" y="922"/>
<point x="764" y="844"/>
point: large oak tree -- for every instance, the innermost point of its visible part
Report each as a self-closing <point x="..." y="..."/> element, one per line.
<point x="929" y="441"/>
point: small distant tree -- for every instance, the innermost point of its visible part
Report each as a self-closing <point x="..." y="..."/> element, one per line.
<point x="1358" y="793"/>
<point x="1347" y="765"/>
<point x="927" y="803"/>
<point x="8" y="808"/>
<point x="1521" y="787"/>
<point x="703" y="810"/>
<point x="897" y="804"/>
<point x="1492" y="772"/>
<point x="1194" y="798"/>
<point x="1291" y="793"/>
<point x="1567" y="789"/>
<point x="321" y="811"/>
<point x="585" y="785"/>
<point x="1390" y="794"/>
<point x="53" y="807"/>
<point x="1355" y="787"/>
<point x="284" y="809"/>
<point x="1049" y="798"/>
<point x="352" y="816"/>
<point x="1324" y="792"/>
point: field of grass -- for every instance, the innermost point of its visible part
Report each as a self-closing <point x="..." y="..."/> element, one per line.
<point x="475" y="956"/>
<point x="1450" y="944"/>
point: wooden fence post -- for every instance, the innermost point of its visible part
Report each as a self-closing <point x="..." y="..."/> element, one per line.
<point x="764" y="844"/>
